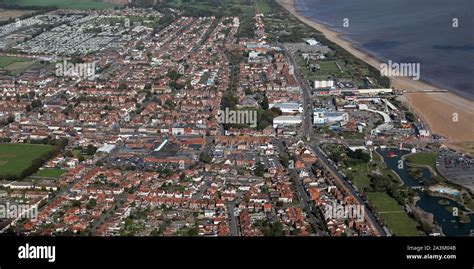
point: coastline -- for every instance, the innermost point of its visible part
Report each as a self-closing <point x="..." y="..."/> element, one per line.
<point x="434" y="108"/>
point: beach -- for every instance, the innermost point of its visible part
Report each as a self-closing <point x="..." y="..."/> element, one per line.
<point x="436" y="109"/>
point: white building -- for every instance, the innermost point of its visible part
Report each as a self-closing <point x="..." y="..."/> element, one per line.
<point x="319" y="84"/>
<point x="288" y="108"/>
<point x="287" y="120"/>
<point x="322" y="116"/>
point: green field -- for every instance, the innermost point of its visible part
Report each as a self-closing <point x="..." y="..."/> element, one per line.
<point x="72" y="4"/>
<point x="50" y="173"/>
<point x="393" y="215"/>
<point x="8" y="60"/>
<point x="262" y="6"/>
<point x="329" y="67"/>
<point x="423" y="158"/>
<point x="360" y="178"/>
<point x="14" y="158"/>
<point x="15" y="65"/>
<point x="227" y="7"/>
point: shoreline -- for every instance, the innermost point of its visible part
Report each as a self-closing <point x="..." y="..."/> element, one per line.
<point x="436" y="109"/>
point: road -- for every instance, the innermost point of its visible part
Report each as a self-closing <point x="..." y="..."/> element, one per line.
<point x="305" y="201"/>
<point x="371" y="218"/>
<point x="307" y="132"/>
<point x="234" y="230"/>
<point x="307" y="128"/>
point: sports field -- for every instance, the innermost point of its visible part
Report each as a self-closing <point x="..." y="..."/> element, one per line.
<point x="14" y="158"/>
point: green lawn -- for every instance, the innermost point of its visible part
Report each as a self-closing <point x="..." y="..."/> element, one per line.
<point x="360" y="178"/>
<point x="423" y="158"/>
<point x="14" y="158"/>
<point x="18" y="67"/>
<point x="262" y="6"/>
<point x="8" y="60"/>
<point x="329" y="67"/>
<point x="72" y="4"/>
<point x="50" y="173"/>
<point x="15" y="65"/>
<point x="394" y="216"/>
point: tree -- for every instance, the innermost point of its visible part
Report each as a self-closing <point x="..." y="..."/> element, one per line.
<point x="91" y="150"/>
<point x="264" y="103"/>
<point x="259" y="170"/>
<point x="91" y="204"/>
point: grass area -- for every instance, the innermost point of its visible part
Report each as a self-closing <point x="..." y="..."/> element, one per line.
<point x="50" y="173"/>
<point x="14" y="158"/>
<point x="72" y="4"/>
<point x="329" y="67"/>
<point x="262" y="6"/>
<point x="8" y="14"/>
<point x="423" y="158"/>
<point x="393" y="215"/>
<point x="76" y="153"/>
<point x="15" y="65"/>
<point x="226" y="8"/>
<point x="359" y="176"/>
<point x="8" y="60"/>
<point x="18" y="67"/>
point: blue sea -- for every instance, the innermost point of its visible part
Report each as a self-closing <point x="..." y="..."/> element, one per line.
<point x="408" y="31"/>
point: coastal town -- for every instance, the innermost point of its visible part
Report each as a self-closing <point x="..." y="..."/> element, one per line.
<point x="179" y="118"/>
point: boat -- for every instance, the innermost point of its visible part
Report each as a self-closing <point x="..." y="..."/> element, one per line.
<point x="391" y="154"/>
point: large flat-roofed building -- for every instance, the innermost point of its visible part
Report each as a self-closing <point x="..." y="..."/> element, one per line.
<point x="287" y="120"/>
<point x="322" y="116"/>
<point x="288" y="108"/>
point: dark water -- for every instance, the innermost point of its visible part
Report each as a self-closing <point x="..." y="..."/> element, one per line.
<point x="449" y="224"/>
<point x="408" y="31"/>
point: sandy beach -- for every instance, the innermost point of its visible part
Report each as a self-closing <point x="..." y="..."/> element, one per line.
<point x="434" y="108"/>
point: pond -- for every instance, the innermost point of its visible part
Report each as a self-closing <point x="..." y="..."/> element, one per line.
<point x="449" y="223"/>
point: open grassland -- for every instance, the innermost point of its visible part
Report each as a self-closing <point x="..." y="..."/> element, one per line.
<point x="423" y="158"/>
<point x="7" y="14"/>
<point x="72" y="4"/>
<point x="15" y="158"/>
<point x="392" y="214"/>
<point x="15" y="65"/>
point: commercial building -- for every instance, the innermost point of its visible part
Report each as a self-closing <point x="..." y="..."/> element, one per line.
<point x="287" y="120"/>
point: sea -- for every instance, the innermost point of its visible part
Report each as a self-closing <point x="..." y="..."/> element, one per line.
<point x="408" y="31"/>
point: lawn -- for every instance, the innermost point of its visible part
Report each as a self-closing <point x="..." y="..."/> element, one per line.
<point x="360" y="178"/>
<point x="50" y="173"/>
<point x="18" y="67"/>
<point x="262" y="6"/>
<point x="8" y="60"/>
<point x="15" y="65"/>
<point x="393" y="215"/>
<point x="423" y="158"/>
<point x="329" y="67"/>
<point x="72" y="4"/>
<point x="14" y="158"/>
